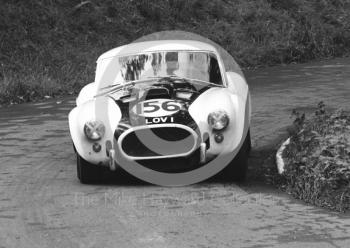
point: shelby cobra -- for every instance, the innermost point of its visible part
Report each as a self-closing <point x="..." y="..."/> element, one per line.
<point x="167" y="105"/>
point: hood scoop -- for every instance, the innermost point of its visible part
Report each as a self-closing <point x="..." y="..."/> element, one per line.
<point x="155" y="92"/>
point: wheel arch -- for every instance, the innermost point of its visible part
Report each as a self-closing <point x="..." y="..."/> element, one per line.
<point x="103" y="109"/>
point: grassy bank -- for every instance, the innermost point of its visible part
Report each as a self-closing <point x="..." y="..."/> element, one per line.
<point x="317" y="160"/>
<point x="49" y="47"/>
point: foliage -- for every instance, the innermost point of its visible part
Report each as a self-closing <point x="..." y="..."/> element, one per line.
<point x="318" y="159"/>
<point x="49" y="46"/>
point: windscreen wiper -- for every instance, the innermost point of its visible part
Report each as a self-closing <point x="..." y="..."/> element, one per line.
<point x="113" y="88"/>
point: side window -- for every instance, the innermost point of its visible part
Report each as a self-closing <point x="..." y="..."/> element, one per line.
<point x="214" y="71"/>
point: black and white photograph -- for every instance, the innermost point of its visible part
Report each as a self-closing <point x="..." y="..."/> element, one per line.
<point x="174" y="123"/>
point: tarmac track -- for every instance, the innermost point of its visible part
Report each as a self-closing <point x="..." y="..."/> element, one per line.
<point x="42" y="204"/>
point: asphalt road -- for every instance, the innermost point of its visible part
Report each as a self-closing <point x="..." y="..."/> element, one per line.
<point x="42" y="204"/>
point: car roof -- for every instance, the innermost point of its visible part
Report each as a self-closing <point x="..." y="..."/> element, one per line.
<point x="158" y="45"/>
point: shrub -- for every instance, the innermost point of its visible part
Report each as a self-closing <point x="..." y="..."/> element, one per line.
<point x="318" y="159"/>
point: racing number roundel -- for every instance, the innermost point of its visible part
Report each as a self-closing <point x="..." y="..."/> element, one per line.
<point x="156" y="107"/>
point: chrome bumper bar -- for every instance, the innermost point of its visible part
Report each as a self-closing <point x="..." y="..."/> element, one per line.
<point x="112" y="157"/>
<point x="203" y="153"/>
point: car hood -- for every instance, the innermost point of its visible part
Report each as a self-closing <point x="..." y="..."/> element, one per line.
<point x="158" y="103"/>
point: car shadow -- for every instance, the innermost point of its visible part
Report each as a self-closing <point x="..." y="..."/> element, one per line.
<point x="261" y="166"/>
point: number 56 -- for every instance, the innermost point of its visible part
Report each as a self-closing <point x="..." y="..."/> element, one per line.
<point x="153" y="106"/>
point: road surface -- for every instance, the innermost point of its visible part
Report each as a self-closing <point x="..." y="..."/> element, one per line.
<point x="42" y="204"/>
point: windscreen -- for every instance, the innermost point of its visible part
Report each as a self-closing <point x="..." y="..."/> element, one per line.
<point x="202" y="66"/>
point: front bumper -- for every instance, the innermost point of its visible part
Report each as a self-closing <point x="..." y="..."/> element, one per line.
<point x="113" y="163"/>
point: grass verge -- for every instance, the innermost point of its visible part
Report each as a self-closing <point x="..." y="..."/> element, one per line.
<point x="50" y="47"/>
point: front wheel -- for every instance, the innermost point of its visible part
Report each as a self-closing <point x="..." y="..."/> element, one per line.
<point x="237" y="168"/>
<point x="87" y="173"/>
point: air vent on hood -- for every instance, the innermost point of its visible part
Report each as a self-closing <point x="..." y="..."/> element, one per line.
<point x="157" y="92"/>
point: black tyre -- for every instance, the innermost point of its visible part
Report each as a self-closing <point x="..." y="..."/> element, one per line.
<point x="87" y="173"/>
<point x="237" y="168"/>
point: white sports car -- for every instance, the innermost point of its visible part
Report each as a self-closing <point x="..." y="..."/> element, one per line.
<point x="168" y="106"/>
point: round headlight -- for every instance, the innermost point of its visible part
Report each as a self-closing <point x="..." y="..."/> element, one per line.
<point x="94" y="130"/>
<point x="218" y="120"/>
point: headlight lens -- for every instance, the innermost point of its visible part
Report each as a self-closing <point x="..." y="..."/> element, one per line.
<point x="218" y="120"/>
<point x="94" y="130"/>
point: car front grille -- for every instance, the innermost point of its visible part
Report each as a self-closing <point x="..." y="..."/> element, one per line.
<point x="158" y="141"/>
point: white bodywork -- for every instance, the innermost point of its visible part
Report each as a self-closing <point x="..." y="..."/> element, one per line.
<point x="234" y="98"/>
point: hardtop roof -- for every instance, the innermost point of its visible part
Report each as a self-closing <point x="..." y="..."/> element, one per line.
<point x="159" y="45"/>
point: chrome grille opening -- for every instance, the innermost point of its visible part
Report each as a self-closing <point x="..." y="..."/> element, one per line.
<point x="158" y="142"/>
